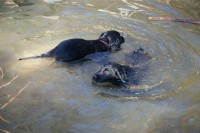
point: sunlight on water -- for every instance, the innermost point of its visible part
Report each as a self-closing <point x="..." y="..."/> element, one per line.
<point x="44" y="95"/>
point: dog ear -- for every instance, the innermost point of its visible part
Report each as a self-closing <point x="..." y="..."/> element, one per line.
<point x="102" y="34"/>
<point x="122" y="39"/>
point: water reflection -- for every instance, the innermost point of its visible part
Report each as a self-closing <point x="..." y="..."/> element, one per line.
<point x="59" y="97"/>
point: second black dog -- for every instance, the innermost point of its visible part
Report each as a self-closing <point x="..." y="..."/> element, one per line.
<point x="118" y="74"/>
<point x="76" y="49"/>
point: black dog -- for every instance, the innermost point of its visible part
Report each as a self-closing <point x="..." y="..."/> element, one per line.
<point x="118" y="74"/>
<point x="76" y="49"/>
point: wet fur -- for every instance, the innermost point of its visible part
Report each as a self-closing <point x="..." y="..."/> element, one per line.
<point x="118" y="74"/>
<point x="76" y="49"/>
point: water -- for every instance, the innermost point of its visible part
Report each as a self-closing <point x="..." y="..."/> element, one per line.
<point x="47" y="96"/>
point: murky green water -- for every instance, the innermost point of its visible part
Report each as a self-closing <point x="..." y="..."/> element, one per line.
<point x="47" y="96"/>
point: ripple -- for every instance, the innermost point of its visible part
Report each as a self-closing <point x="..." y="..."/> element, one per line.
<point x="102" y="10"/>
<point x="175" y="60"/>
<point x="52" y="1"/>
<point x="125" y="13"/>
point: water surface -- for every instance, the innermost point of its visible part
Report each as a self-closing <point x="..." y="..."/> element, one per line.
<point x="51" y="96"/>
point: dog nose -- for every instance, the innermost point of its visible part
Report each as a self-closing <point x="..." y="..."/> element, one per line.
<point x="96" y="77"/>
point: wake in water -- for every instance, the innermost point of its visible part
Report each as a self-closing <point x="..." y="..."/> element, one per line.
<point x="132" y="92"/>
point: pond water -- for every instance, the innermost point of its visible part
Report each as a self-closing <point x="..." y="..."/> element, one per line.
<point x="46" y="96"/>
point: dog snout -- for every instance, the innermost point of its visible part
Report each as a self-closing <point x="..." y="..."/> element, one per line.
<point x="96" y="77"/>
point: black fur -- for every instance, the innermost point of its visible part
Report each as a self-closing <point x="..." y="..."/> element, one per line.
<point x="76" y="49"/>
<point x="118" y="74"/>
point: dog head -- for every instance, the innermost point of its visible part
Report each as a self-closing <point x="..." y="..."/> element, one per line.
<point x="111" y="73"/>
<point x="113" y="38"/>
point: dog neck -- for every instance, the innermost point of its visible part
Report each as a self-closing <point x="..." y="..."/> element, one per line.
<point x="105" y="44"/>
<point x="101" y="45"/>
